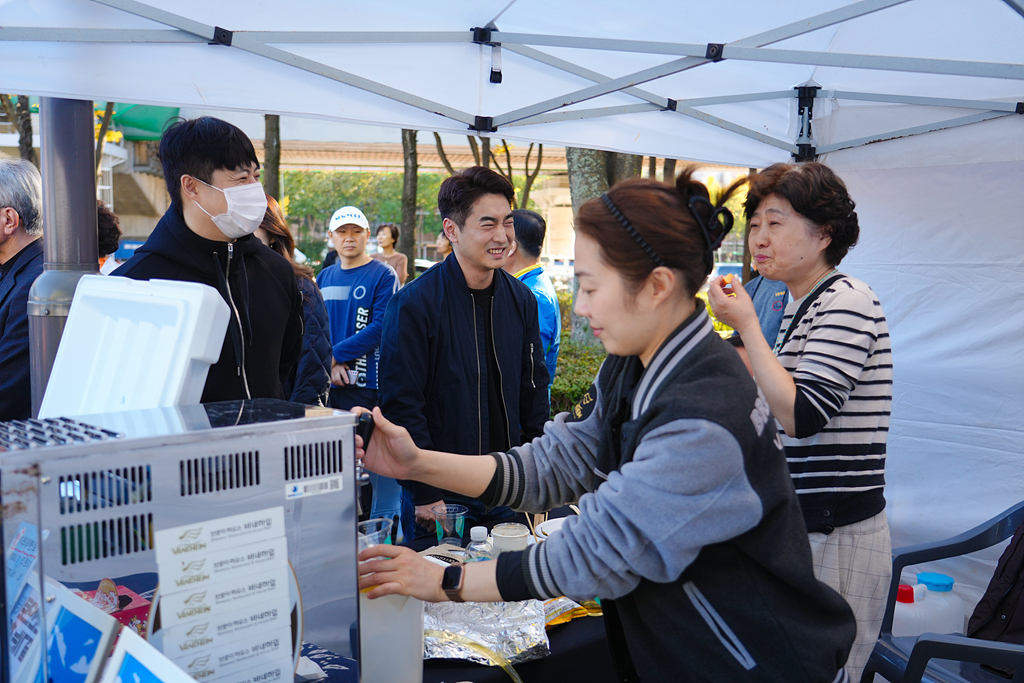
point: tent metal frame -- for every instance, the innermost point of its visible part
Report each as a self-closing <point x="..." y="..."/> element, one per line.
<point x="688" y="56"/>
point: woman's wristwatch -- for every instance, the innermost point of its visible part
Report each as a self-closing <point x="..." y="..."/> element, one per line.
<point x="451" y="582"/>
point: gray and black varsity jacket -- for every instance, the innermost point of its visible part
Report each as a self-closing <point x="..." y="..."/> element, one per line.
<point x="690" y="523"/>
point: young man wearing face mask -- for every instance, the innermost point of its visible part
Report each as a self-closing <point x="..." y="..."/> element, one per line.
<point x="217" y="202"/>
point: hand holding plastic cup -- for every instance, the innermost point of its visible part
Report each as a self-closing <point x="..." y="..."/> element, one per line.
<point x="450" y="524"/>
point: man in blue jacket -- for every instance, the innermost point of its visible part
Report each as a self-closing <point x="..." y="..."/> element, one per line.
<point x="524" y="264"/>
<point x="21" y="262"/>
<point x="356" y="291"/>
<point x="462" y="364"/>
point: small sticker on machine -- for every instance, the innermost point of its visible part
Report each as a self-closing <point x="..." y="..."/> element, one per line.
<point x="312" y="487"/>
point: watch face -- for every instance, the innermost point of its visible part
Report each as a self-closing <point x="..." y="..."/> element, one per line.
<point x="452" y="578"/>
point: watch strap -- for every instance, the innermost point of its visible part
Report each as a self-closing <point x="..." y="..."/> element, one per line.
<point x="453" y="574"/>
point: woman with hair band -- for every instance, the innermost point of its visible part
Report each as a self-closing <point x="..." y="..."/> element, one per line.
<point x="690" y="531"/>
<point x="827" y="377"/>
<point x="312" y="382"/>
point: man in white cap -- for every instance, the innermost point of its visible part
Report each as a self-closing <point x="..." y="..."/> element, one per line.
<point x="356" y="291"/>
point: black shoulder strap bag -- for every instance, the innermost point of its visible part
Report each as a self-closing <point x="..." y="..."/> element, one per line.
<point x="808" y="300"/>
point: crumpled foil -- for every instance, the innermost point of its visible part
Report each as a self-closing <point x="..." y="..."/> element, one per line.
<point x="514" y="630"/>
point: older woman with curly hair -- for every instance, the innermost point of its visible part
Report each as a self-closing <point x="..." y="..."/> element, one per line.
<point x="827" y="378"/>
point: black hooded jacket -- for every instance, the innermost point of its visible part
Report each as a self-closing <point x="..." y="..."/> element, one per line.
<point x="264" y="337"/>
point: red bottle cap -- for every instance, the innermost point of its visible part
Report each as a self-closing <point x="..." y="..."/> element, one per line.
<point x="905" y="593"/>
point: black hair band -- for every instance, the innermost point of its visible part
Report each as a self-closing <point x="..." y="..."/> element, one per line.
<point x="658" y="261"/>
<point x="714" y="229"/>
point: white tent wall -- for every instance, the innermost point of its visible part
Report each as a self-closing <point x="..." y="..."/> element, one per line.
<point x="942" y="244"/>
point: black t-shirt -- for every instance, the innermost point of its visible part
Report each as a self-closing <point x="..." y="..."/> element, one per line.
<point x="9" y="264"/>
<point x="498" y="437"/>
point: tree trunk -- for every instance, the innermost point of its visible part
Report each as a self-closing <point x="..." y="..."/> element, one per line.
<point x="669" y="172"/>
<point x="745" y="273"/>
<point x="272" y="156"/>
<point x="101" y="139"/>
<point x="652" y="168"/>
<point x="588" y="178"/>
<point x="407" y="240"/>
<point x="25" y="131"/>
<point x="623" y="166"/>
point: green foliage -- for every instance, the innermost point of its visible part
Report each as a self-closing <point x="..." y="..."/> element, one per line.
<point x="312" y="197"/>
<point x="577" y="363"/>
<point x="577" y="368"/>
<point x="565" y="308"/>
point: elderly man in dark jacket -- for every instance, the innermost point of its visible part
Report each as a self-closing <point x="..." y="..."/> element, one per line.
<point x="212" y="175"/>
<point x="462" y="365"/>
<point x="21" y="262"/>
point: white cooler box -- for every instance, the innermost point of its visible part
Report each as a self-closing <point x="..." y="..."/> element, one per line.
<point x="132" y="344"/>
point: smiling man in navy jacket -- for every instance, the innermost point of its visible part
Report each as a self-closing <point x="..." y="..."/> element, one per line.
<point x="462" y="365"/>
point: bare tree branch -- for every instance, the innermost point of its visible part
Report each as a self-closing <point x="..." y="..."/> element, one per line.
<point x="531" y="176"/>
<point x="271" y="175"/>
<point x="485" y="152"/>
<point x="101" y="139"/>
<point x="669" y="172"/>
<point x="8" y="106"/>
<point x="25" y="131"/>
<point x="444" y="157"/>
<point x="475" y="149"/>
<point x="507" y="175"/>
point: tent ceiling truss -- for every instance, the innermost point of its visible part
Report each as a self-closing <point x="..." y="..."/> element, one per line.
<point x="688" y="56"/>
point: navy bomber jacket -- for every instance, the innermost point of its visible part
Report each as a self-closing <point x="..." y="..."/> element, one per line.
<point x="690" y="531"/>
<point x="433" y="365"/>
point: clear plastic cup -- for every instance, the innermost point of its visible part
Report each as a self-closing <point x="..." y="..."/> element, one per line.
<point x="450" y="524"/>
<point x="374" y="532"/>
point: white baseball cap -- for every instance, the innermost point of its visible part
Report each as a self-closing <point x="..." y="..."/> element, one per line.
<point x="348" y="215"/>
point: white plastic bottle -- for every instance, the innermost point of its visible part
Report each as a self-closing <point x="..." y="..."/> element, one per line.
<point x="946" y="610"/>
<point x="910" y="617"/>
<point x="478" y="549"/>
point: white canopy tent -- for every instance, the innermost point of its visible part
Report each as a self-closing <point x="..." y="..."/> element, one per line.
<point x="915" y="102"/>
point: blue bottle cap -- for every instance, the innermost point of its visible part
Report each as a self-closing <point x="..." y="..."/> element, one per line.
<point x="940" y="583"/>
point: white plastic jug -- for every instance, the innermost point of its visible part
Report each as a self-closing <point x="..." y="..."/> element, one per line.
<point x="390" y="627"/>
<point x="946" y="609"/>
<point x="911" y="617"/>
<point x="390" y="639"/>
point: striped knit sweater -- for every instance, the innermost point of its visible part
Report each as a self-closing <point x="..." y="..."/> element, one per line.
<point x="840" y="358"/>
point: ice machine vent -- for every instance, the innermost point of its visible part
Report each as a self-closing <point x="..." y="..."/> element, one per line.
<point x="105" y="489"/>
<point x="312" y="460"/>
<point x="219" y="473"/>
<point x="107" y="538"/>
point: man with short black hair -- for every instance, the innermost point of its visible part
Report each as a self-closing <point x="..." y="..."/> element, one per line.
<point x="21" y="262"/>
<point x="524" y="264"/>
<point x="462" y="365"/>
<point x="356" y="291"/>
<point x="212" y="175"/>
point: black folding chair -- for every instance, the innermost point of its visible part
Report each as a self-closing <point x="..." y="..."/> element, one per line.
<point x="909" y="659"/>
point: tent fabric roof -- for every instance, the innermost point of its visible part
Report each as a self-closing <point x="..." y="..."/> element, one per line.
<point x="572" y="73"/>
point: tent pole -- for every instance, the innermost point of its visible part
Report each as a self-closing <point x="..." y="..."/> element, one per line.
<point x="70" y="245"/>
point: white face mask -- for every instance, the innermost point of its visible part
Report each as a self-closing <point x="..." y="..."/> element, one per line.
<point x="247" y="206"/>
